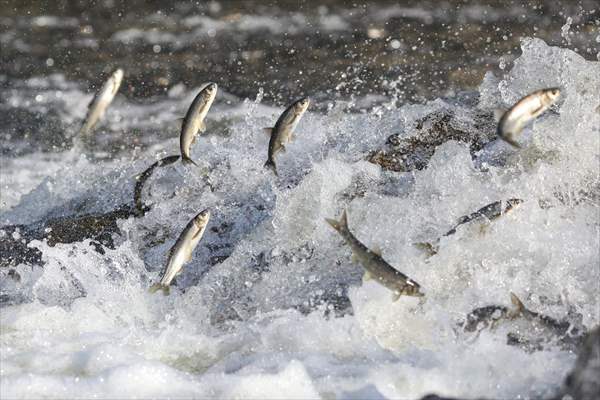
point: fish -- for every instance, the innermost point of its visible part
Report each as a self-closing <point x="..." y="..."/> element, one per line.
<point x="490" y="212"/>
<point x="181" y="252"/>
<point x="282" y="133"/>
<point x="193" y="122"/>
<point x="540" y="327"/>
<point x="100" y="102"/>
<point x="524" y="111"/>
<point x="374" y="264"/>
<point x="141" y="179"/>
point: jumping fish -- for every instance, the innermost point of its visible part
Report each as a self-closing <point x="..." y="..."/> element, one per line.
<point x="544" y="327"/>
<point x="141" y="179"/>
<point x="525" y="110"/>
<point x="282" y="132"/>
<point x="181" y="252"/>
<point x="491" y="212"/>
<point x="100" y="102"/>
<point x="193" y="122"/>
<point x="376" y="267"/>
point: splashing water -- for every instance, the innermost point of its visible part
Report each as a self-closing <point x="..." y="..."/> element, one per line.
<point x="271" y="304"/>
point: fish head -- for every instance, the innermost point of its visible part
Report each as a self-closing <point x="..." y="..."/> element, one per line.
<point x="411" y="288"/>
<point x="551" y="95"/>
<point x="301" y="105"/>
<point x="210" y="91"/>
<point x="201" y="219"/>
<point x="117" y="77"/>
<point x="512" y="203"/>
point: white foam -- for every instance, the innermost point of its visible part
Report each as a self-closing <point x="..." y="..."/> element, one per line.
<point x="89" y="328"/>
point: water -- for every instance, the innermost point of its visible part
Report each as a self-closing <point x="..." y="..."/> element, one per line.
<point x="271" y="305"/>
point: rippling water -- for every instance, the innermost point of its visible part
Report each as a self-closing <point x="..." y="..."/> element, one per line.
<point x="271" y="305"/>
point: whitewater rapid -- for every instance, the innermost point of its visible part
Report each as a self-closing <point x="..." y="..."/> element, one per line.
<point x="271" y="305"/>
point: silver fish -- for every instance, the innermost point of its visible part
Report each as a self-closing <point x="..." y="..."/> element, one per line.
<point x="376" y="267"/>
<point x="490" y="212"/>
<point x="524" y="111"/>
<point x="193" y="122"/>
<point x="537" y="329"/>
<point x="282" y="133"/>
<point x="101" y="101"/>
<point x="181" y="252"/>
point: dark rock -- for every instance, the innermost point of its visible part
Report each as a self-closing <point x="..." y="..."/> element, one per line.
<point x="403" y="154"/>
<point x="99" y="228"/>
<point x="583" y="383"/>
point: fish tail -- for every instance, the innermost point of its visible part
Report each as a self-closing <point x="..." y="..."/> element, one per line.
<point x="270" y="164"/>
<point x="511" y="141"/>
<point x="186" y="160"/>
<point x="341" y="225"/>
<point x="159" y="286"/>
<point x="429" y="248"/>
<point x="517" y="303"/>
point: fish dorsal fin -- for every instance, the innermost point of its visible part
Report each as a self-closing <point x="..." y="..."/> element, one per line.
<point x="367" y="276"/>
<point x="498" y="113"/>
<point x="517" y="303"/>
<point x="268" y="131"/>
<point x="377" y="250"/>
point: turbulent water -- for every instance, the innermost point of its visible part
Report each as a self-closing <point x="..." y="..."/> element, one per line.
<point x="271" y="305"/>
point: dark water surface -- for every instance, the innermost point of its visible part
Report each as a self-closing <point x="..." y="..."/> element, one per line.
<point x="408" y="50"/>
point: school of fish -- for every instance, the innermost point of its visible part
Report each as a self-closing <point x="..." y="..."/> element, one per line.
<point x="510" y="125"/>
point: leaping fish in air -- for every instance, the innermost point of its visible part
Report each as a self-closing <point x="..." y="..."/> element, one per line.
<point x="181" y="252"/>
<point x="101" y="101"/>
<point x="193" y="122"/>
<point x="524" y="111"/>
<point x="282" y="133"/>
<point x="490" y="212"/>
<point x="376" y="267"/>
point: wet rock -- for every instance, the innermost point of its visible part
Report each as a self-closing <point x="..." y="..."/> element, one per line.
<point x="584" y="381"/>
<point x="98" y="228"/>
<point x="413" y="151"/>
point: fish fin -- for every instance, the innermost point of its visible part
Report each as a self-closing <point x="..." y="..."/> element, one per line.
<point x="518" y="304"/>
<point x="340" y="225"/>
<point x="271" y="165"/>
<point x="396" y="296"/>
<point x="200" y="231"/>
<point x="282" y="148"/>
<point x="159" y="286"/>
<point x="187" y="160"/>
<point x="429" y="248"/>
<point x="355" y="258"/>
<point x="291" y="137"/>
<point x="508" y="139"/>
<point x="484" y="227"/>
<point x="377" y="250"/>
<point x="367" y="276"/>
<point x="498" y="113"/>
<point x="201" y="128"/>
<point x="268" y="131"/>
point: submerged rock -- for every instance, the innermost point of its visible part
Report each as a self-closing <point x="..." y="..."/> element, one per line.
<point x="413" y="151"/>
